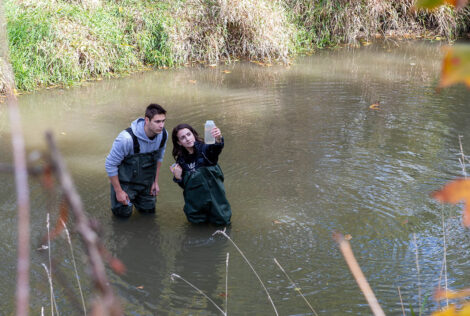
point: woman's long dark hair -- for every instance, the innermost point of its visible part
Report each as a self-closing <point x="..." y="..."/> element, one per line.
<point x="178" y="150"/>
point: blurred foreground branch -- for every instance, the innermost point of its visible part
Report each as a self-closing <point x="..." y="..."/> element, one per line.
<point x="107" y="304"/>
<point x="21" y="173"/>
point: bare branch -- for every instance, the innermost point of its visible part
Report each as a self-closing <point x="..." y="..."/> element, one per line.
<point x="21" y="174"/>
<point x="109" y="304"/>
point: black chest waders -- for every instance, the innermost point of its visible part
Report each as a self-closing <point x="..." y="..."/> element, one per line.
<point x="136" y="175"/>
<point x="204" y="196"/>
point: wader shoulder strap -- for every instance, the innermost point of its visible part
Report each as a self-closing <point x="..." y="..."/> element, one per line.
<point x="134" y="139"/>
<point x="164" y="136"/>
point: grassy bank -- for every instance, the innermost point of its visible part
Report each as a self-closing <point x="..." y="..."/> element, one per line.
<point x="58" y="42"/>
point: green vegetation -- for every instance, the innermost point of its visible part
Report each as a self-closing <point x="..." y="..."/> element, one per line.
<point x="61" y="42"/>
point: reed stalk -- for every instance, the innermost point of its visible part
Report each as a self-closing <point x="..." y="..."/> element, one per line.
<point x="49" y="273"/>
<point x="297" y="288"/>
<point x="222" y="232"/>
<point x="174" y="275"/>
<point x="53" y="302"/>
<point x="419" y="277"/>
<point x="401" y="302"/>
<point x="462" y="158"/>
<point x="358" y="275"/>
<point x="226" y="283"/>
<point x="69" y="240"/>
<point x="444" y="232"/>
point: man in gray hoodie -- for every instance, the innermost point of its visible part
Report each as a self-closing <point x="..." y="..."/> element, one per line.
<point x="134" y="162"/>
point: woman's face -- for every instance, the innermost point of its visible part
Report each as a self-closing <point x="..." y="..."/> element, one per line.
<point x="185" y="138"/>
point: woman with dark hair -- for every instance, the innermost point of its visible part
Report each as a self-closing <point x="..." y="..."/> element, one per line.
<point x="197" y="172"/>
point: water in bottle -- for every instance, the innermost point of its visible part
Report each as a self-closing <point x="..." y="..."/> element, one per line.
<point x="208" y="138"/>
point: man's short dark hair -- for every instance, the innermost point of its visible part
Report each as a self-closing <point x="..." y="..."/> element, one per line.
<point x="154" y="109"/>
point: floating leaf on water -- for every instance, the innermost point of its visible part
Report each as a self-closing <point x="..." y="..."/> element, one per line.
<point x="212" y="65"/>
<point x="374" y="106"/>
<point x="141" y="287"/>
<point x="277" y="222"/>
<point x="227" y="71"/>
<point x="192" y="81"/>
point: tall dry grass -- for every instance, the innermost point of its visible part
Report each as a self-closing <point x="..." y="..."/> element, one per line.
<point x="330" y="22"/>
<point x="219" y="29"/>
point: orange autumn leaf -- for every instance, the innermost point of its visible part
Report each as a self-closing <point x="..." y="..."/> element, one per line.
<point x="432" y="4"/>
<point x="455" y="192"/>
<point x="46" y="178"/>
<point x="443" y="294"/>
<point x="63" y="218"/>
<point x="449" y="311"/>
<point x="452" y="311"/>
<point x="374" y="106"/>
<point x="455" y="66"/>
<point x="117" y="265"/>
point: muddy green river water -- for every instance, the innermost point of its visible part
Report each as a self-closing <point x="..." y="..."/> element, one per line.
<point x="305" y="156"/>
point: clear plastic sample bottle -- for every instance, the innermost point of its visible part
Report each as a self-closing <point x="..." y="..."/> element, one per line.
<point x="208" y="138"/>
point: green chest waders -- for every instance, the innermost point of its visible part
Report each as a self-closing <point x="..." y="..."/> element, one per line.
<point x="136" y="175"/>
<point x="204" y="196"/>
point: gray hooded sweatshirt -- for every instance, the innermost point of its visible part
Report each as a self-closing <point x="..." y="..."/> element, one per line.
<point x="124" y="146"/>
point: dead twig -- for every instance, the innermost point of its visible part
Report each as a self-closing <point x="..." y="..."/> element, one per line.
<point x="108" y="304"/>
<point x="21" y="174"/>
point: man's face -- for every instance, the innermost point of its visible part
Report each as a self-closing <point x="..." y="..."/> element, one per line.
<point x="155" y="125"/>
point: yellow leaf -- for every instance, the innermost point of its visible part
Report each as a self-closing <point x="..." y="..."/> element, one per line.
<point x="432" y="4"/>
<point x="449" y="311"/>
<point x="454" y="192"/>
<point x="374" y="106"/>
<point x="465" y="311"/>
<point x="456" y="66"/>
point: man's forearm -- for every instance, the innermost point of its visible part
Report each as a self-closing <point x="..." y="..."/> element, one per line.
<point x="159" y="164"/>
<point x="115" y="183"/>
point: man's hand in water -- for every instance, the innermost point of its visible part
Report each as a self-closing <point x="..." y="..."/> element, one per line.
<point x="155" y="189"/>
<point x="122" y="197"/>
